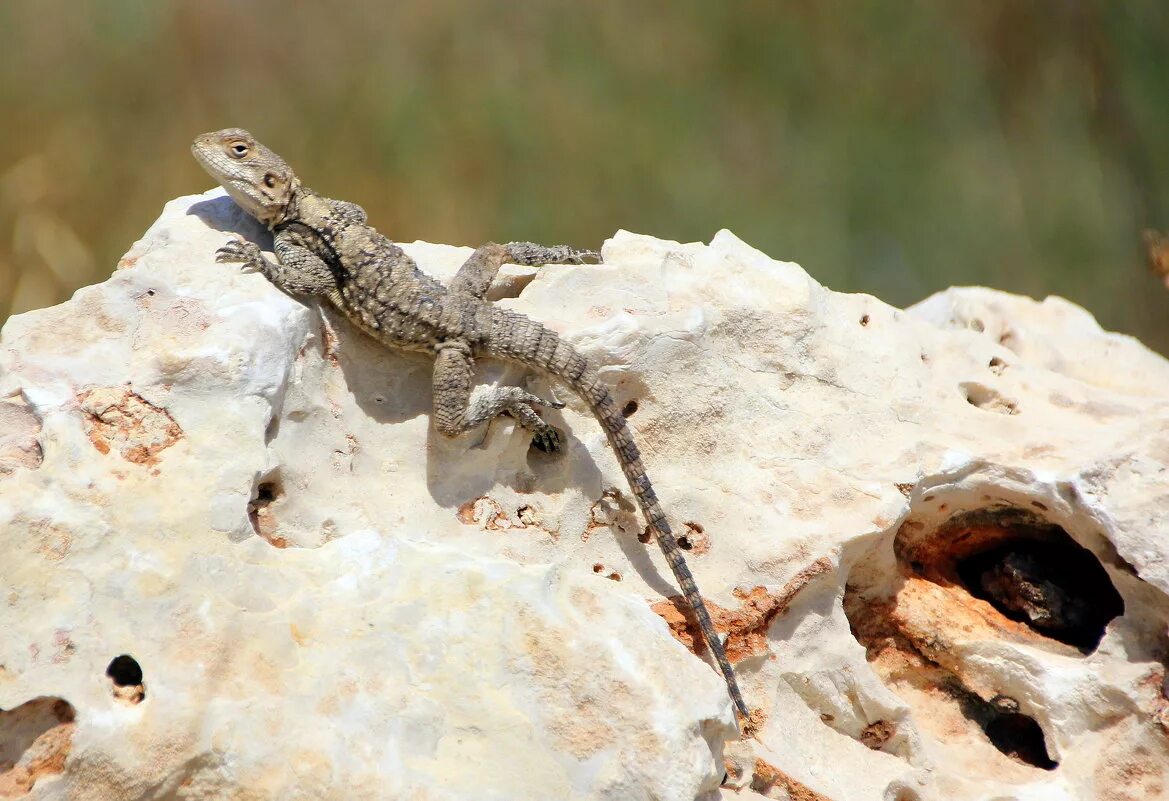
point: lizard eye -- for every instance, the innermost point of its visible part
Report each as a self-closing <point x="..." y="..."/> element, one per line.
<point x="239" y="150"/>
<point x="269" y="180"/>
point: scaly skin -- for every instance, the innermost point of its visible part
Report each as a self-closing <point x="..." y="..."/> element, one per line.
<point x="324" y="247"/>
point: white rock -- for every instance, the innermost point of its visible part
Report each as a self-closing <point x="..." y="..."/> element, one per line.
<point x="328" y="600"/>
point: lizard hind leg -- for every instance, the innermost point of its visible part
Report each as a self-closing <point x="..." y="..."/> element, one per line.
<point x="455" y="411"/>
<point x="479" y="270"/>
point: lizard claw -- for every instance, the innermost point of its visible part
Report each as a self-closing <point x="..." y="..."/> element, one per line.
<point x="588" y="257"/>
<point x="547" y="440"/>
<point x="240" y="251"/>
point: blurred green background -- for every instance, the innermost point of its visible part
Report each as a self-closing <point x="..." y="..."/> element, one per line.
<point x="890" y="147"/>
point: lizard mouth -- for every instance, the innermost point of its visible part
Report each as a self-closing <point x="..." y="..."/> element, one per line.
<point x="199" y="151"/>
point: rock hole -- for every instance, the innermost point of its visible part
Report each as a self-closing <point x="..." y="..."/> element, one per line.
<point x="983" y="397"/>
<point x="150" y="292"/>
<point x="1020" y="738"/>
<point x="645" y="536"/>
<point x="1013" y="733"/>
<point x="629" y="409"/>
<point x="613" y="575"/>
<point x="266" y="493"/>
<point x="126" y="674"/>
<point x="865" y="320"/>
<point x="1057" y="588"/>
<point x="982" y="574"/>
<point x="1029" y="569"/>
<point x="977" y="325"/>
<point x="261" y="514"/>
<point x="997" y="365"/>
<point x="694" y="538"/>
<point x="125" y="671"/>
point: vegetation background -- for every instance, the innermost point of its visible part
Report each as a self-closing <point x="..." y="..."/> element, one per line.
<point x="889" y="146"/>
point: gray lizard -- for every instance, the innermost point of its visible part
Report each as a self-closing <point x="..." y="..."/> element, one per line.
<point x="325" y="247"/>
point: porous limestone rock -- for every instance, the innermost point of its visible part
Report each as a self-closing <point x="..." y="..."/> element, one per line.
<point x="239" y="564"/>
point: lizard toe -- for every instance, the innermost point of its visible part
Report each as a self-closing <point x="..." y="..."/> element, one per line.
<point x="235" y="251"/>
<point x="547" y="440"/>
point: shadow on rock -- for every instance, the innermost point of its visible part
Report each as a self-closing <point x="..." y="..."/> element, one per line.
<point x="222" y="214"/>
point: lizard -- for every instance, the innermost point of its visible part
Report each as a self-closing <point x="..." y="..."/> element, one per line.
<point x="327" y="248"/>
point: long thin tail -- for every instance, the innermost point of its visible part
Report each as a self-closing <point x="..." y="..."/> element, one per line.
<point x="534" y="345"/>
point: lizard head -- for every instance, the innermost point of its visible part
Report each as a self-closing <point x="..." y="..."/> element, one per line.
<point x="255" y="177"/>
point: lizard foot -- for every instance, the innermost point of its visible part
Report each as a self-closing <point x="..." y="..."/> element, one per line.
<point x="545" y="436"/>
<point x="243" y="252"/>
<point x="547" y="439"/>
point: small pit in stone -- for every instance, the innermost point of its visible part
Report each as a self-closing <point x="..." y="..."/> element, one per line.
<point x="126" y="674"/>
<point x="1019" y="737"/>
<point x="613" y="575"/>
<point x="1013" y="733"/>
<point x="261" y="514"/>
<point x="987" y="398"/>
<point x="125" y="671"/>
<point x="629" y="409"/>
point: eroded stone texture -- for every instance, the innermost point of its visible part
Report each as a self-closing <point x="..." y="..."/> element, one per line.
<point x="19" y="429"/>
<point x="35" y="739"/>
<point x="252" y="571"/>
<point x="120" y="419"/>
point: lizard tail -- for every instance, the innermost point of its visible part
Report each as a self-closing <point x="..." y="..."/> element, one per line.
<point x="544" y="350"/>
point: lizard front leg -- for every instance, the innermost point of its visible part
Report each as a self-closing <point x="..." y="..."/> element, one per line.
<point x="297" y="269"/>
<point x="455" y="411"/>
<point x="479" y="270"/>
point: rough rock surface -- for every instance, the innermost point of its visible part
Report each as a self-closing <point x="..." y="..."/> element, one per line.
<point x="240" y="565"/>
